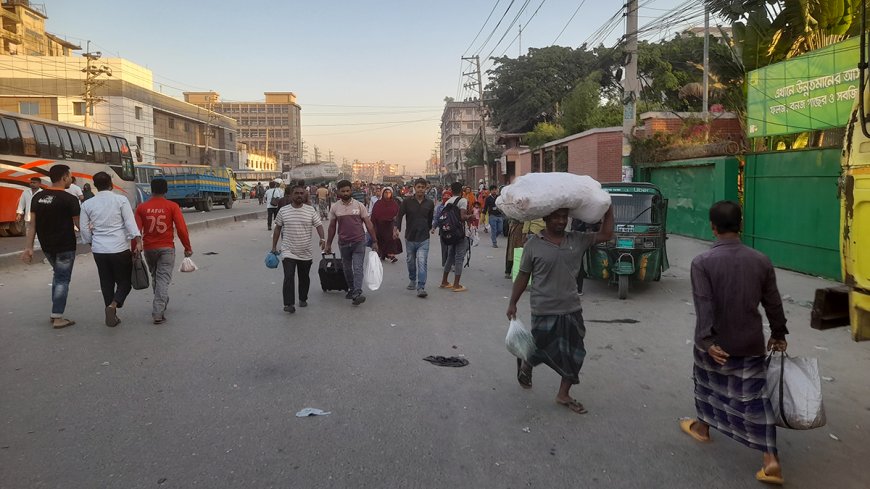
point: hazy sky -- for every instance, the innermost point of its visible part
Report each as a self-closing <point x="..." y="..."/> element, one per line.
<point x="370" y="76"/>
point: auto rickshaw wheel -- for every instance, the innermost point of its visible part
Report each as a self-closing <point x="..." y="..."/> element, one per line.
<point x="623" y="287"/>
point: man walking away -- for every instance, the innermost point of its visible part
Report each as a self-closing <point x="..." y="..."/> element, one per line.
<point x="323" y="200"/>
<point x="23" y="211"/>
<point x="54" y="213"/>
<point x="496" y="217"/>
<point x="108" y="223"/>
<point x="158" y="220"/>
<point x="350" y="218"/>
<point x="455" y="251"/>
<point x="552" y="259"/>
<point x="419" y="212"/>
<point x="272" y="197"/>
<point x="728" y="283"/>
<point x="261" y="193"/>
<point x="293" y="227"/>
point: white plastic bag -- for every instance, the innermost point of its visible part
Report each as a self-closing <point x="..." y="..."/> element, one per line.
<point x="519" y="341"/>
<point x="374" y="271"/>
<point x="535" y="195"/>
<point x="187" y="265"/>
<point x="794" y="387"/>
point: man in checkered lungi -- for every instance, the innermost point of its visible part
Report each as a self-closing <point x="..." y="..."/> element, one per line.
<point x="728" y="283"/>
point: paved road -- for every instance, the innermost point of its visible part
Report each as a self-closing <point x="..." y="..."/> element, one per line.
<point x="208" y="399"/>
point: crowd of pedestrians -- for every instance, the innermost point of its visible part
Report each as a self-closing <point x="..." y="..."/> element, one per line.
<point x="729" y="281"/>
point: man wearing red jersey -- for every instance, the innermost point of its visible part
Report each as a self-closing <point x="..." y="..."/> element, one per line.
<point x="158" y="219"/>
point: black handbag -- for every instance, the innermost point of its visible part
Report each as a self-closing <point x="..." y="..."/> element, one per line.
<point x="139" y="278"/>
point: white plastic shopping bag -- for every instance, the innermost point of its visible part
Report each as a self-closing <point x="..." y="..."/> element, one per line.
<point x="519" y="340"/>
<point x="794" y="387"/>
<point x="374" y="271"/>
<point x="187" y="265"/>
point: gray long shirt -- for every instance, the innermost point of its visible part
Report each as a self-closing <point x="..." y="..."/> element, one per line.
<point x="728" y="283"/>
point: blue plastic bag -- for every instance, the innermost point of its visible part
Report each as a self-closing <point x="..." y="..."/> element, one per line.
<point x="271" y="260"/>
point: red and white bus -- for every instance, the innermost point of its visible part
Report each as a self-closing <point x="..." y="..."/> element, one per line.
<point x="29" y="146"/>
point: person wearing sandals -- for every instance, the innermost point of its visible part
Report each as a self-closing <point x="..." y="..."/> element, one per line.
<point x="383" y="215"/>
<point x="729" y="281"/>
<point x="455" y="252"/>
<point x="552" y="260"/>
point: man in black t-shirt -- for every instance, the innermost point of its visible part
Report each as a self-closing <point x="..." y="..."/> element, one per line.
<point x="54" y="213"/>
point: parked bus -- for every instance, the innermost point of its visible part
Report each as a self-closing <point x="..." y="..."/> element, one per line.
<point x="29" y="146"/>
<point x="198" y="186"/>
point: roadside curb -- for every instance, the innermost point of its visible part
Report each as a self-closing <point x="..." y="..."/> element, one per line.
<point x="10" y="260"/>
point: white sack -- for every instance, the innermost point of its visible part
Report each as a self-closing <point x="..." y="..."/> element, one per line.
<point x="374" y="271"/>
<point x="535" y="195"/>
<point x="801" y="407"/>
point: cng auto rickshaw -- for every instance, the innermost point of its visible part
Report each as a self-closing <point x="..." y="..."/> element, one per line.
<point x="637" y="251"/>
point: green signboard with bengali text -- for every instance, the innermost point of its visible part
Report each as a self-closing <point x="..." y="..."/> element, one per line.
<point x="812" y="91"/>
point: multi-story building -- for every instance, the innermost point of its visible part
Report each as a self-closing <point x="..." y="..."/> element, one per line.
<point x="460" y="125"/>
<point x="254" y="160"/>
<point x="271" y="126"/>
<point x="163" y="129"/>
<point x="374" y="171"/>
<point x="23" y="31"/>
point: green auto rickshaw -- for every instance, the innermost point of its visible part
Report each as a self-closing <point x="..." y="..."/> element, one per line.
<point x="637" y="251"/>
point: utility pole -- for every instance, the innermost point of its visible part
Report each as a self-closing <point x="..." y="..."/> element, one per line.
<point x="91" y="72"/>
<point x="630" y="89"/>
<point x="477" y="84"/>
<point x="706" y="104"/>
<point x="209" y="128"/>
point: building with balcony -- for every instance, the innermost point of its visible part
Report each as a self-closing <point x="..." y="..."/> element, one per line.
<point x="271" y="126"/>
<point x="23" y="31"/>
<point x="460" y="126"/>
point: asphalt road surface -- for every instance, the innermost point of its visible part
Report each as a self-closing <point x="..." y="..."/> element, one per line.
<point x="209" y="398"/>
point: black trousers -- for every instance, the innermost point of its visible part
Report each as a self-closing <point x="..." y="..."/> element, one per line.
<point x="271" y="212"/>
<point x="115" y="271"/>
<point x="291" y="269"/>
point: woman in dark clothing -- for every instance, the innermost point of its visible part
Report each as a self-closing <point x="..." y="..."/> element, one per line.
<point x="383" y="215"/>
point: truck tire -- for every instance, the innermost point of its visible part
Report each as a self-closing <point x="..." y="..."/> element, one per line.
<point x="623" y="287"/>
<point x="197" y="206"/>
<point x="208" y="205"/>
<point x="4" y="232"/>
<point x="228" y="203"/>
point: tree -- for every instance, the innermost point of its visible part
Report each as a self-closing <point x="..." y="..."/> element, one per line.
<point x="543" y="133"/>
<point x="474" y="153"/>
<point x="582" y="108"/>
<point x="527" y="90"/>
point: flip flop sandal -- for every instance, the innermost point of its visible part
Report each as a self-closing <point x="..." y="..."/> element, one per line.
<point x="448" y="286"/>
<point x="573" y="405"/>
<point x="762" y="476"/>
<point x="461" y="288"/>
<point x="524" y="377"/>
<point x="62" y="325"/>
<point x="686" y="426"/>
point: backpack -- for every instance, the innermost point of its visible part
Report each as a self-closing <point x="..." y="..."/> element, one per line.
<point x="450" y="224"/>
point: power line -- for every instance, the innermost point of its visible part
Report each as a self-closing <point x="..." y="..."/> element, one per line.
<point x="520" y="32"/>
<point x="482" y="27"/>
<point x="495" y="28"/>
<point x="569" y="21"/>
<point x="513" y="22"/>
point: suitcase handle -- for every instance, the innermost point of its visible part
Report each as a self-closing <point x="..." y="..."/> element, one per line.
<point x="324" y="255"/>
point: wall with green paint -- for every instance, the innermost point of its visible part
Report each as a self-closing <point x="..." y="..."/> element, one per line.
<point x="792" y="211"/>
<point x="691" y="187"/>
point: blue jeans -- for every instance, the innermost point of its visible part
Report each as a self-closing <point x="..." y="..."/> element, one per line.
<point x="62" y="264"/>
<point x="352" y="257"/>
<point x="418" y="258"/>
<point x="496" y="227"/>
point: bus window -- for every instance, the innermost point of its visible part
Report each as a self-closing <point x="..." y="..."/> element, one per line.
<point x="89" y="147"/>
<point x="41" y="140"/>
<point x="115" y="155"/>
<point x="4" y="143"/>
<point x="54" y="143"/>
<point x="126" y="157"/>
<point x="78" y="151"/>
<point x="66" y="141"/>
<point x="13" y="137"/>
<point x="128" y="170"/>
<point x="99" y="151"/>
<point x="28" y="143"/>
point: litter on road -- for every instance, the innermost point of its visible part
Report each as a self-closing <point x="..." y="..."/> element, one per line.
<point x="446" y="361"/>
<point x="306" y="412"/>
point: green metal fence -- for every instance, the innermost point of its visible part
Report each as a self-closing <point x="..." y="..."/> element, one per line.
<point x="691" y="187"/>
<point x="792" y="211"/>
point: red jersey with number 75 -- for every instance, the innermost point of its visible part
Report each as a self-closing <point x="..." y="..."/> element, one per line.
<point x="158" y="219"/>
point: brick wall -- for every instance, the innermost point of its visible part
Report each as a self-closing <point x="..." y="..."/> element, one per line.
<point x="597" y="153"/>
<point x="724" y="126"/>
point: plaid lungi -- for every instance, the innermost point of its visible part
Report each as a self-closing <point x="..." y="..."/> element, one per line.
<point x="559" y="339"/>
<point x="731" y="399"/>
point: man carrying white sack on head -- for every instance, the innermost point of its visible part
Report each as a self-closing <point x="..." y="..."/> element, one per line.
<point x="552" y="260"/>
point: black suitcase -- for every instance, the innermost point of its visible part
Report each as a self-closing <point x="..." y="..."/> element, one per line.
<point x="331" y="273"/>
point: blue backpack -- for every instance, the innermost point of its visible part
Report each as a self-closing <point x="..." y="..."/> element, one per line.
<point x="450" y="224"/>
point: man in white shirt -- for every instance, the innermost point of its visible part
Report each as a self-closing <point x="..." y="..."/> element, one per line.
<point x="23" y="212"/>
<point x="108" y="224"/>
<point x="293" y="227"/>
<point x="76" y="190"/>
<point x="273" y="195"/>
